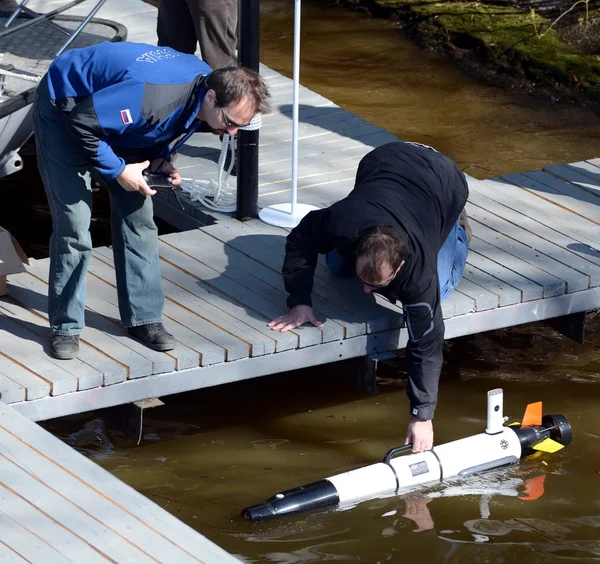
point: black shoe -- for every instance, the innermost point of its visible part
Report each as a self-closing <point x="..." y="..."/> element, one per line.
<point x="154" y="336"/>
<point x="64" y="347"/>
<point x="463" y="221"/>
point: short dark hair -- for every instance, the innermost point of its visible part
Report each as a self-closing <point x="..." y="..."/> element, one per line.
<point x="234" y="83"/>
<point x="377" y="246"/>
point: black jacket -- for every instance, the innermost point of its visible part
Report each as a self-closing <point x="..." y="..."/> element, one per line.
<point x="420" y="192"/>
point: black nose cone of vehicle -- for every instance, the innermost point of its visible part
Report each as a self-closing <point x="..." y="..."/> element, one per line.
<point x="259" y="512"/>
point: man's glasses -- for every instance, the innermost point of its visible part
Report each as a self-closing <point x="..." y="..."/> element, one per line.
<point x="228" y="122"/>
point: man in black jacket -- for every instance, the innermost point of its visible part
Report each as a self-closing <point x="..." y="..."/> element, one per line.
<point x="402" y="234"/>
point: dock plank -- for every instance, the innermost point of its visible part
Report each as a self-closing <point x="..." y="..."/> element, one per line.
<point x="191" y="329"/>
<point x="32" y="292"/>
<point x="360" y="310"/>
<point x="530" y="197"/>
<point x="61" y="509"/>
<point x="107" y="320"/>
<point x="254" y="305"/>
<point x="526" y="246"/>
<point x="245" y="271"/>
<point x="25" y="543"/>
<point x="562" y="247"/>
<point x="181" y="539"/>
<point x="9" y="556"/>
<point x="35" y="386"/>
<point x="10" y="391"/>
<point x="26" y="348"/>
<point x="108" y="371"/>
<point x="40" y="524"/>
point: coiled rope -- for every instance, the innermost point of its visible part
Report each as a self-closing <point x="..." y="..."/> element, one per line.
<point x="218" y="194"/>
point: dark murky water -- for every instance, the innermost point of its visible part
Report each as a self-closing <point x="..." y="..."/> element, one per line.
<point x="207" y="454"/>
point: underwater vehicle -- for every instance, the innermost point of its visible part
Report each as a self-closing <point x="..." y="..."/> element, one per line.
<point x="499" y="445"/>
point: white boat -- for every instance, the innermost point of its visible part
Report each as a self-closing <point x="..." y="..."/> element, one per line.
<point x="27" y="48"/>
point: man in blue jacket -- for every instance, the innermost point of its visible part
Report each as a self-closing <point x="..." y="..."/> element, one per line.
<point x="403" y="233"/>
<point x="114" y="109"/>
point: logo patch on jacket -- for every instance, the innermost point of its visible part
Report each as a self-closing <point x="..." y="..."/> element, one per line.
<point x="126" y="117"/>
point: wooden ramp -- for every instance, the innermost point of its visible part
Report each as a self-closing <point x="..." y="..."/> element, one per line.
<point x="532" y="257"/>
<point x="58" y="507"/>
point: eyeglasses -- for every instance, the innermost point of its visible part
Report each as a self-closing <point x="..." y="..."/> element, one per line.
<point x="229" y="123"/>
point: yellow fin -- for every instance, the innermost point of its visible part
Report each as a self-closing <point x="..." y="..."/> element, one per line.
<point x="548" y="445"/>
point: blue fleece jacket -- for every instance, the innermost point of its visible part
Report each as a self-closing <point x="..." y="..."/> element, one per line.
<point x="122" y="97"/>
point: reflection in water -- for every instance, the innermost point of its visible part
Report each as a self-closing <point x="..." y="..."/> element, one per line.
<point x="208" y="454"/>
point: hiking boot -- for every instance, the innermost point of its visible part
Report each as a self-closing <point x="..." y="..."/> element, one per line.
<point x="154" y="336"/>
<point x="463" y="221"/>
<point x="64" y="347"/>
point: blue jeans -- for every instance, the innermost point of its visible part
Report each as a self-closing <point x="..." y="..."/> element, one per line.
<point x="450" y="263"/>
<point x="65" y="173"/>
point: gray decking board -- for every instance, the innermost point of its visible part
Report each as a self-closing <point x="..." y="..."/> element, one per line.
<point x="103" y="372"/>
<point x="59" y="506"/>
<point x="261" y="249"/>
<point x="35" y="387"/>
<point x="509" y="192"/>
<point x="188" y="328"/>
<point x="10" y="391"/>
<point x="583" y="178"/>
<point x="360" y="309"/>
<point x="247" y="272"/>
<point x="505" y="293"/>
<point x="525" y="246"/>
<point x="230" y="306"/>
<point x="254" y="303"/>
<point x="31" y="293"/>
<point x="192" y="342"/>
<point x="107" y="320"/>
<point x="562" y="247"/>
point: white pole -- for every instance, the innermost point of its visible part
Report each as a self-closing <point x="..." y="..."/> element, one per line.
<point x="295" y="116"/>
<point x="290" y="215"/>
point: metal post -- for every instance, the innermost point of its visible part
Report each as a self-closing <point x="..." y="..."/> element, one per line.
<point x="247" y="148"/>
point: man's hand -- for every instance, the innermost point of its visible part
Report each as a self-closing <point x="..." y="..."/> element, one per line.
<point x="165" y="167"/>
<point x="420" y="434"/>
<point x="131" y="179"/>
<point x="297" y="316"/>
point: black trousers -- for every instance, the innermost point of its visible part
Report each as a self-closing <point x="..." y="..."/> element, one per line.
<point x="211" y="23"/>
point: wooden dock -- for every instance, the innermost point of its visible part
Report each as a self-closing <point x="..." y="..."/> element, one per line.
<point x="534" y="256"/>
<point x="58" y="507"/>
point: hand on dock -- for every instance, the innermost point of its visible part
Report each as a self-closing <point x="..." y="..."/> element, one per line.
<point x="298" y="315"/>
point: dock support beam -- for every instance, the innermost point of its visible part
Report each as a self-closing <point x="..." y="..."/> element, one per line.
<point x="571" y="326"/>
<point x="362" y="371"/>
<point x="247" y="144"/>
<point x="129" y="418"/>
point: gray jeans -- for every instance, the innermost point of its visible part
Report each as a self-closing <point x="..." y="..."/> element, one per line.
<point x="211" y="23"/>
<point x="65" y="173"/>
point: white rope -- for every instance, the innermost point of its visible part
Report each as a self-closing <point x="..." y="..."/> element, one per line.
<point x="30" y="77"/>
<point x="219" y="194"/>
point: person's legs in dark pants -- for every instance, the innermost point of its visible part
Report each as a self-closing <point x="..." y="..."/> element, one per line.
<point x="175" y="26"/>
<point x="215" y="22"/>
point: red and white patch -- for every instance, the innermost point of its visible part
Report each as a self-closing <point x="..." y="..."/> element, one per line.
<point x="126" y="117"/>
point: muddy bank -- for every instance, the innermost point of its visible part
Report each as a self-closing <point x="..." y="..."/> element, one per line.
<point x="547" y="52"/>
